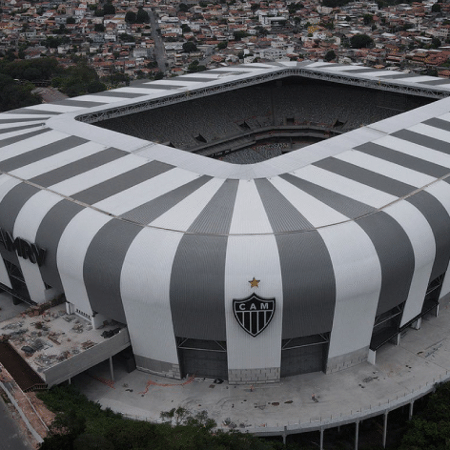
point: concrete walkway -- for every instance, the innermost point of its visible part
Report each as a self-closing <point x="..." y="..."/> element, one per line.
<point x="401" y="374"/>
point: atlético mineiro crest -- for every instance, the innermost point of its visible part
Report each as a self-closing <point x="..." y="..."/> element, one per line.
<point x="254" y="313"/>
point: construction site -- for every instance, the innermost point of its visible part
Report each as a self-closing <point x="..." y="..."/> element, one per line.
<point x="44" y="346"/>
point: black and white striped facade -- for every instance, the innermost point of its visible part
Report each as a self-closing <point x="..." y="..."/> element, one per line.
<point x="347" y="235"/>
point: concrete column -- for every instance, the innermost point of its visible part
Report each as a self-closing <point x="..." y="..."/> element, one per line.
<point x="417" y="324"/>
<point x="69" y="381"/>
<point x="111" y="368"/>
<point x="411" y="407"/>
<point x="284" y="435"/>
<point x="385" y="428"/>
<point x="372" y="356"/>
<point x="436" y="311"/>
<point x="321" y="438"/>
<point x="356" y="435"/>
<point x="396" y="339"/>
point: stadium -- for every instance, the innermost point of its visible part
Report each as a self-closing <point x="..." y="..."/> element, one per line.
<point x="248" y="223"/>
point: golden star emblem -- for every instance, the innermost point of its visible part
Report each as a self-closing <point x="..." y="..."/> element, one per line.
<point x="254" y="282"/>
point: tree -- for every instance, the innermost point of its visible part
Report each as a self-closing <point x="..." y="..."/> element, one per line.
<point x="238" y="35"/>
<point x="99" y="27"/>
<point x="189" y="47"/>
<point x="222" y="45"/>
<point x="142" y="16"/>
<point x="195" y="67"/>
<point x="70" y="20"/>
<point x="330" y="55"/>
<point x="124" y="37"/>
<point x="361" y="41"/>
<point x="435" y="42"/>
<point x="108" y="9"/>
<point x="14" y="95"/>
<point x="430" y="429"/>
<point x="182" y="7"/>
<point x="185" y="28"/>
<point x="130" y="17"/>
<point x="368" y="19"/>
<point x="436" y="8"/>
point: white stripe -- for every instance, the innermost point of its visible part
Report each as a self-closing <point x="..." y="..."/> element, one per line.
<point x="59" y="160"/>
<point x="354" y="257"/>
<point x="26" y="225"/>
<point x="345" y="186"/>
<point x="96" y="176"/>
<point x="386" y="168"/>
<point x="248" y="257"/>
<point x="147" y="303"/>
<point x="184" y="213"/>
<point x="418" y="151"/>
<point x="423" y="243"/>
<point x="433" y="132"/>
<point x="31" y="143"/>
<point x="145" y="191"/>
<point x="313" y="210"/>
<point x="249" y="215"/>
<point x="71" y="254"/>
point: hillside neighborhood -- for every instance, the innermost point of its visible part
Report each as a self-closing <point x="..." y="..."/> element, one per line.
<point x="165" y="38"/>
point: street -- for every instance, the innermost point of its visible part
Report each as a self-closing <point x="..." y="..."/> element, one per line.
<point x="10" y="435"/>
<point x="159" y="46"/>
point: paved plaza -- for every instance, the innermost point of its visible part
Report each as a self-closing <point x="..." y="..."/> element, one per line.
<point x="401" y="374"/>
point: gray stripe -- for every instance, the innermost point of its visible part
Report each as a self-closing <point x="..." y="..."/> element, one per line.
<point x="49" y="234"/>
<point x="272" y="63"/>
<point x="366" y="70"/>
<point x="40" y="153"/>
<point x="198" y="309"/>
<point x="20" y="127"/>
<point x="282" y="215"/>
<point x="79" y="103"/>
<point x="21" y="137"/>
<point x="202" y="258"/>
<point x="399" y="76"/>
<point x="435" y="82"/>
<point x="103" y="266"/>
<point x="164" y="87"/>
<point x="197" y="79"/>
<point x="397" y="261"/>
<point x="309" y="289"/>
<point x="118" y="94"/>
<point x="325" y="65"/>
<point x="402" y="159"/>
<point x="10" y="207"/>
<point x="33" y="111"/>
<point x="151" y="210"/>
<point x="77" y="167"/>
<point x="216" y="216"/>
<point x="121" y="182"/>
<point x="364" y="176"/>
<point x="438" y="123"/>
<point x="345" y="205"/>
<point x="439" y="221"/>
<point x="19" y="120"/>
<point x="421" y="139"/>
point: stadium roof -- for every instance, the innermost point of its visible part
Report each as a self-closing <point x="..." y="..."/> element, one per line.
<point x="330" y="182"/>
